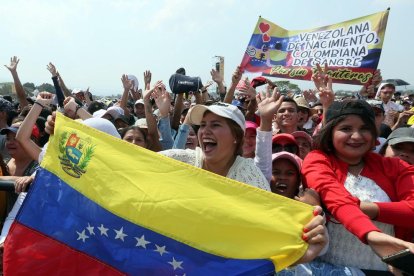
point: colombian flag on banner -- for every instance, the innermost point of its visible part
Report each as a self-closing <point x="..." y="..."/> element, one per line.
<point x="101" y="206"/>
<point x="351" y="49"/>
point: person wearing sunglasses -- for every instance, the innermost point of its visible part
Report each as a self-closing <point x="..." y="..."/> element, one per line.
<point x="284" y="142"/>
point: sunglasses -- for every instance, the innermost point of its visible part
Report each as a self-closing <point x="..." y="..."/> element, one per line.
<point x="288" y="147"/>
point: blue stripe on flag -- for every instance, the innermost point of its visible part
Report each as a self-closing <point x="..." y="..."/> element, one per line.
<point x="57" y="210"/>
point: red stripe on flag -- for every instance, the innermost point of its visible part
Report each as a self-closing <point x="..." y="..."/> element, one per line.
<point x="47" y="256"/>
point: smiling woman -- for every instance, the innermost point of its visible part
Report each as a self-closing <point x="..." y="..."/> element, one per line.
<point x="370" y="197"/>
<point x="220" y="137"/>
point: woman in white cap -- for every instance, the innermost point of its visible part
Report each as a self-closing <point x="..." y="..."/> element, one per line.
<point x="220" y="138"/>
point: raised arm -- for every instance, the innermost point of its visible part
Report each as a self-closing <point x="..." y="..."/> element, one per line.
<point x="402" y="119"/>
<point x="368" y="90"/>
<point x="21" y="94"/>
<point x="151" y="122"/>
<point x="323" y="83"/>
<point x="183" y="131"/>
<point x="88" y="97"/>
<point x="237" y="75"/>
<point x="25" y="130"/>
<point x="127" y="84"/>
<point x="217" y="78"/>
<point x="163" y="101"/>
<point x="178" y="108"/>
<point x="62" y="85"/>
<point x="249" y="94"/>
<point x="147" y="79"/>
<point x="268" y="105"/>
<point x="73" y="110"/>
<point x="202" y="95"/>
<point x="52" y="69"/>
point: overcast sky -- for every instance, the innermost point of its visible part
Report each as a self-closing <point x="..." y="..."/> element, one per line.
<point x="92" y="43"/>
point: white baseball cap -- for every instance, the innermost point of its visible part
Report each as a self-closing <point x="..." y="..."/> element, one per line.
<point x="140" y="101"/>
<point x="114" y="111"/>
<point x="102" y="125"/>
<point x="221" y="109"/>
<point x="141" y="123"/>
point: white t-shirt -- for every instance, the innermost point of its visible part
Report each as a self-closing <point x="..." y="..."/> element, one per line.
<point x="345" y="248"/>
<point x="243" y="169"/>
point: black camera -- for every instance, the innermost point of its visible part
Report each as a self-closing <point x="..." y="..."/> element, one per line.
<point x="180" y="84"/>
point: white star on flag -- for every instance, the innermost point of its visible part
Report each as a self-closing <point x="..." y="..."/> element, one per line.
<point x="160" y="249"/>
<point x="90" y="229"/>
<point x="120" y="234"/>
<point x="103" y="230"/>
<point x="142" y="242"/>
<point x="82" y="236"/>
<point x="175" y="264"/>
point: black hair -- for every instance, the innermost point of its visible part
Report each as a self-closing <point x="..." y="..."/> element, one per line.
<point x="383" y="149"/>
<point x="290" y="100"/>
<point x="43" y="136"/>
<point x="3" y="167"/>
<point x="388" y="85"/>
<point x="11" y="115"/>
<point x="8" y="98"/>
<point x="95" y="106"/>
<point x="184" y="112"/>
<point x="125" y="130"/>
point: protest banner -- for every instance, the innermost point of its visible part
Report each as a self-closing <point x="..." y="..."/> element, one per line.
<point x="351" y="49"/>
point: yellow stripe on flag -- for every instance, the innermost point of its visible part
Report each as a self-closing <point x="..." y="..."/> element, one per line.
<point x="212" y="213"/>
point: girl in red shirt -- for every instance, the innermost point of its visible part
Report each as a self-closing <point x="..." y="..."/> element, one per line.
<point x="371" y="198"/>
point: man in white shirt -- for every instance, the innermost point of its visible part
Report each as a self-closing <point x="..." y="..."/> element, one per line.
<point x="385" y="93"/>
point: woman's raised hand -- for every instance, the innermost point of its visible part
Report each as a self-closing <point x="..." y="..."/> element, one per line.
<point x="162" y="99"/>
<point x="45" y="98"/>
<point x="269" y="103"/>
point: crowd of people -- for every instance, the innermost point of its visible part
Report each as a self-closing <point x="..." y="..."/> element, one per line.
<point x="352" y="156"/>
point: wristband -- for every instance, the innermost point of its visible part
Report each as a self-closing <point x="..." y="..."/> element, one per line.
<point x="77" y="108"/>
<point x="41" y="105"/>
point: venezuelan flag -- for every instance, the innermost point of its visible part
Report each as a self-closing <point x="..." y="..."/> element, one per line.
<point x="102" y="206"/>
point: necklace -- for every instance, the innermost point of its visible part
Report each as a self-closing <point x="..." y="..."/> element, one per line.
<point x="357" y="168"/>
<point x="356" y="164"/>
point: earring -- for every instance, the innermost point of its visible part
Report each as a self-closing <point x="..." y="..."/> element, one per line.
<point x="235" y="142"/>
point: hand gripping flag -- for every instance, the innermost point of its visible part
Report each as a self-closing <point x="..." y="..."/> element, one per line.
<point x="102" y="206"/>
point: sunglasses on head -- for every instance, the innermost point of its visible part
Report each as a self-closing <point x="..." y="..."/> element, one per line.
<point x="288" y="147"/>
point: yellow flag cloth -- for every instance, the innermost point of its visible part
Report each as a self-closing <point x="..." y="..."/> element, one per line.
<point x="206" y="211"/>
